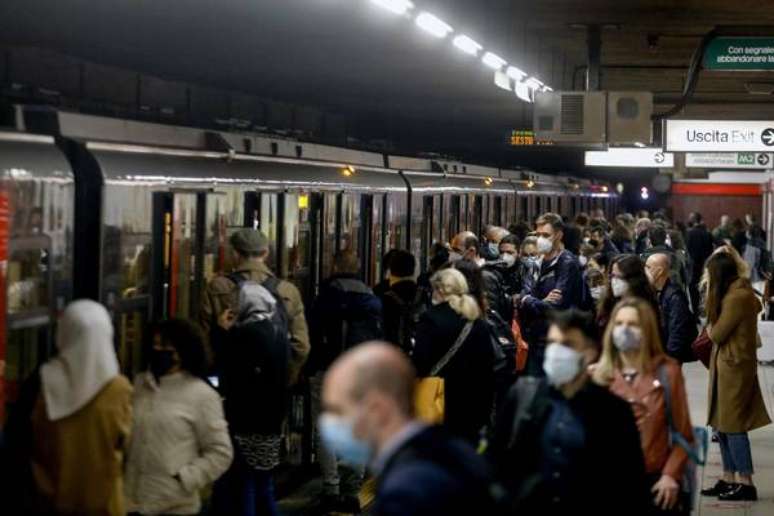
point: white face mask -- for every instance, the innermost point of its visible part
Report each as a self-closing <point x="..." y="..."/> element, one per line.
<point x="627" y="338"/>
<point x="583" y="261"/>
<point x="668" y="242"/>
<point x="508" y="259"/>
<point x="561" y="364"/>
<point x="596" y="292"/>
<point x="544" y="245"/>
<point x="619" y="286"/>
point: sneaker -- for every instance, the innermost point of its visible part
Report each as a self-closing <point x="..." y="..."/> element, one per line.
<point x="740" y="493"/>
<point x="720" y="487"/>
<point x="349" y="505"/>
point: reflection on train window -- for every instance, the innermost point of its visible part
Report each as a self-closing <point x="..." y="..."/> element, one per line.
<point x="28" y="280"/>
<point x="224" y="216"/>
<point x="296" y="255"/>
<point x="350" y="223"/>
<point x="396" y="222"/>
<point x="455" y="224"/>
<point x="268" y="222"/>
<point x="183" y="255"/>
<point x="130" y="340"/>
<point x="329" y="232"/>
<point x="377" y="224"/>
<point x="439" y="225"/>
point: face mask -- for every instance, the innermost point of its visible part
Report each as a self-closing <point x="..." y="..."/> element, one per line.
<point x="668" y="242"/>
<point x="508" y="259"/>
<point x="161" y="361"/>
<point x="561" y="364"/>
<point x="583" y="261"/>
<point x="627" y="338"/>
<point x="544" y="245"/>
<point x="596" y="292"/>
<point x="587" y="240"/>
<point x="336" y="434"/>
<point x="494" y="250"/>
<point x="619" y="286"/>
<point x="454" y="257"/>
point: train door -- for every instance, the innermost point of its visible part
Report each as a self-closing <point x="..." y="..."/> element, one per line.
<point x="377" y="238"/>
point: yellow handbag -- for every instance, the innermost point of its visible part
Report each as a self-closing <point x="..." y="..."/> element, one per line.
<point x="429" y="401"/>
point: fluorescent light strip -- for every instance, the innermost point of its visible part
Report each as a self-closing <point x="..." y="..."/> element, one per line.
<point x="395" y="6"/>
<point x="493" y="61"/>
<point x="515" y="73"/>
<point x="433" y="25"/>
<point x="523" y="91"/>
<point x="467" y="45"/>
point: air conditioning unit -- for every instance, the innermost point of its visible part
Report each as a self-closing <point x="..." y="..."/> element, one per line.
<point x="595" y="117"/>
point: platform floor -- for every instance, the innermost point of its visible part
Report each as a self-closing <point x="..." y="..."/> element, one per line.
<point x="762" y="441"/>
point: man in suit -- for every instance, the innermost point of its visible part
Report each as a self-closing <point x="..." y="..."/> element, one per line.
<point x="367" y="402"/>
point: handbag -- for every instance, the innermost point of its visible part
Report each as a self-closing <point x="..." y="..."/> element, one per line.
<point x="522" y="348"/>
<point x="702" y="347"/>
<point x="429" y="401"/>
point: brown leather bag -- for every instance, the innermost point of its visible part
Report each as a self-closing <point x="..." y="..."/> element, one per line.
<point x="702" y="347"/>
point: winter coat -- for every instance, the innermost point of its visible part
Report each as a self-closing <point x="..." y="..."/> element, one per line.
<point x="406" y="291"/>
<point x="77" y="461"/>
<point x="494" y="291"/>
<point x="179" y="430"/>
<point x="222" y="293"/>
<point x="345" y="305"/>
<point x="646" y="397"/>
<point x="678" y="324"/>
<point x="469" y="375"/>
<point x="698" y="241"/>
<point x="735" y="400"/>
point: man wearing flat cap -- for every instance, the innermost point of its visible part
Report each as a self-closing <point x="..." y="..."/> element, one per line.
<point x="249" y="249"/>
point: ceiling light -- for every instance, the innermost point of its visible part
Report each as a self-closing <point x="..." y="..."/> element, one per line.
<point x="515" y="73"/>
<point x="547" y="88"/>
<point x="523" y="91"/>
<point x="533" y="83"/>
<point x="467" y="45"/>
<point x="501" y="80"/>
<point x="433" y="25"/>
<point x="493" y="61"/>
<point x="395" y="6"/>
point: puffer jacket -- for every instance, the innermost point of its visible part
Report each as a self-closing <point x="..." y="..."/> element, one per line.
<point x="179" y="444"/>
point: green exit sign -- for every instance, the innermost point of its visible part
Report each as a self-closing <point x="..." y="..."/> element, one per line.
<point x="745" y="158"/>
<point x="744" y="54"/>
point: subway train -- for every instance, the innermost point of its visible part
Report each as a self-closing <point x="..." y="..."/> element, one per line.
<point x="138" y="216"/>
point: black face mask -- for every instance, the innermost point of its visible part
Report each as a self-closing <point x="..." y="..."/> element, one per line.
<point x="161" y="361"/>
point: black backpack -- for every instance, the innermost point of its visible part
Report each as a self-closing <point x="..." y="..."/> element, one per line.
<point x="359" y="321"/>
<point x="410" y="313"/>
<point x="503" y="351"/>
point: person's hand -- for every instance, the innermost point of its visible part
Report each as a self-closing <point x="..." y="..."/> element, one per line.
<point x="666" y="491"/>
<point x="554" y="296"/>
<point x="226" y="319"/>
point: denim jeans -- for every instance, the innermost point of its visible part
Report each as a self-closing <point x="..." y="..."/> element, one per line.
<point x="338" y="479"/>
<point x="244" y="491"/>
<point x="735" y="453"/>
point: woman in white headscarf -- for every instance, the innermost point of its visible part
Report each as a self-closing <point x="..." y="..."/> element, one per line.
<point x="81" y="419"/>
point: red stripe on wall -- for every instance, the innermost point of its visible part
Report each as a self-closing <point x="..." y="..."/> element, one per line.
<point x="716" y="189"/>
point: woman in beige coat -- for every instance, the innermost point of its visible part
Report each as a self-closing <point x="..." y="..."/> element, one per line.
<point x="735" y="401"/>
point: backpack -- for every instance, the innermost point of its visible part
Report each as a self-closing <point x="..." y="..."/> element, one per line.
<point x="359" y="322"/>
<point x="410" y="313"/>
<point x="697" y="452"/>
<point x="259" y="360"/>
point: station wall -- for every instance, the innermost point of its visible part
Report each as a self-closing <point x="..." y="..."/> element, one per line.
<point x="715" y="199"/>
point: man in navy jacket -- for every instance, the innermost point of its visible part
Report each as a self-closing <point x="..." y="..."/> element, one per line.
<point x="558" y="285"/>
<point x="367" y="400"/>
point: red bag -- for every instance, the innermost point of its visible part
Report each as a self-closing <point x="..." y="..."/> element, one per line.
<point x="702" y="348"/>
<point x="522" y="348"/>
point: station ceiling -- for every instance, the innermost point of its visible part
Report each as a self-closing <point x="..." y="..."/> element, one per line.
<point x="354" y="57"/>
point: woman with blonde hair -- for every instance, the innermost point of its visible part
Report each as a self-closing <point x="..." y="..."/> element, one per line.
<point x="735" y="401"/>
<point x="634" y="366"/>
<point x="455" y="321"/>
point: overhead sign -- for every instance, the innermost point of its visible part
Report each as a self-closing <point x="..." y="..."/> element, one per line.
<point x="740" y="54"/>
<point x="729" y="160"/>
<point x="719" y="136"/>
<point x="519" y="138"/>
<point x="630" y="157"/>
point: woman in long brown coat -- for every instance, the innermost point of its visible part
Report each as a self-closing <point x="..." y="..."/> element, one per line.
<point x="735" y="401"/>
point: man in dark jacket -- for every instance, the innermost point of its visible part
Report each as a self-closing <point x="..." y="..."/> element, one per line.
<point x="605" y="245"/>
<point x="345" y="314"/>
<point x="657" y="235"/>
<point x="560" y="438"/>
<point x="466" y="245"/>
<point x="558" y="285"/>
<point x="678" y="324"/>
<point x="403" y="303"/>
<point x="698" y="241"/>
<point x="368" y="401"/>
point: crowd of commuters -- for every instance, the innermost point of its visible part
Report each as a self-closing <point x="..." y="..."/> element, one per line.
<point x="607" y="312"/>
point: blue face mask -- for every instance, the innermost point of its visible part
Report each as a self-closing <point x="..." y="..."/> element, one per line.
<point x="494" y="250"/>
<point x="336" y="434"/>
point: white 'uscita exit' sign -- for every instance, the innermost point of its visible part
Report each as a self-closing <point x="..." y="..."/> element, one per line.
<point x="719" y="136"/>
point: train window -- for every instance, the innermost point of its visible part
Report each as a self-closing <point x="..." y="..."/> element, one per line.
<point x="224" y="215"/>
<point x="268" y="223"/>
<point x="497" y="210"/>
<point x="538" y="205"/>
<point x="296" y="253"/>
<point x="418" y="245"/>
<point x="477" y="215"/>
<point x="396" y="221"/>
<point x="349" y="235"/>
<point x="455" y="224"/>
<point x="524" y="212"/>
<point x="330" y="207"/>
<point x="377" y="238"/>
<point x="439" y="228"/>
<point x="183" y="255"/>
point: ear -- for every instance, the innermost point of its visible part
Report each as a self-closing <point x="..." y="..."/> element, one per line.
<point x="263" y="254"/>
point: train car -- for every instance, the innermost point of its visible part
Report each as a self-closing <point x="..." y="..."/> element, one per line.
<point x="138" y="216"/>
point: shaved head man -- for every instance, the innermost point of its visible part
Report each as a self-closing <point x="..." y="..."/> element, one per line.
<point x="678" y="324"/>
<point x="464" y="246"/>
<point x="368" y="419"/>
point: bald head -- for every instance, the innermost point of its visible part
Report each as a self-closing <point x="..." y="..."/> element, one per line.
<point x="465" y="244"/>
<point x="496" y="234"/>
<point x="657" y="267"/>
<point x="371" y="368"/>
